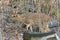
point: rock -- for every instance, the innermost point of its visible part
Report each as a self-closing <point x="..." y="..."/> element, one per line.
<point x="53" y="23"/>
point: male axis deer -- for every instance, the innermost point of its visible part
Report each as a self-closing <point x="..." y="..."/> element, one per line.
<point x="33" y="19"/>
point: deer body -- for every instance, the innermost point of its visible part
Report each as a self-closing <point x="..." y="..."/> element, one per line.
<point x="32" y="19"/>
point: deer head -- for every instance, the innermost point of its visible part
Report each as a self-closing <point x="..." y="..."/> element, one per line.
<point x="19" y="18"/>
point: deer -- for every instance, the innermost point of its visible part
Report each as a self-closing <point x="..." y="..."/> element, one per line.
<point x="31" y="19"/>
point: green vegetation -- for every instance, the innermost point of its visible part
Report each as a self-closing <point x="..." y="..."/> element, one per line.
<point x="58" y="15"/>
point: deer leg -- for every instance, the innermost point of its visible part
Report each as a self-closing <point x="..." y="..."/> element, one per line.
<point x="31" y="28"/>
<point x="28" y="26"/>
<point x="47" y="28"/>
